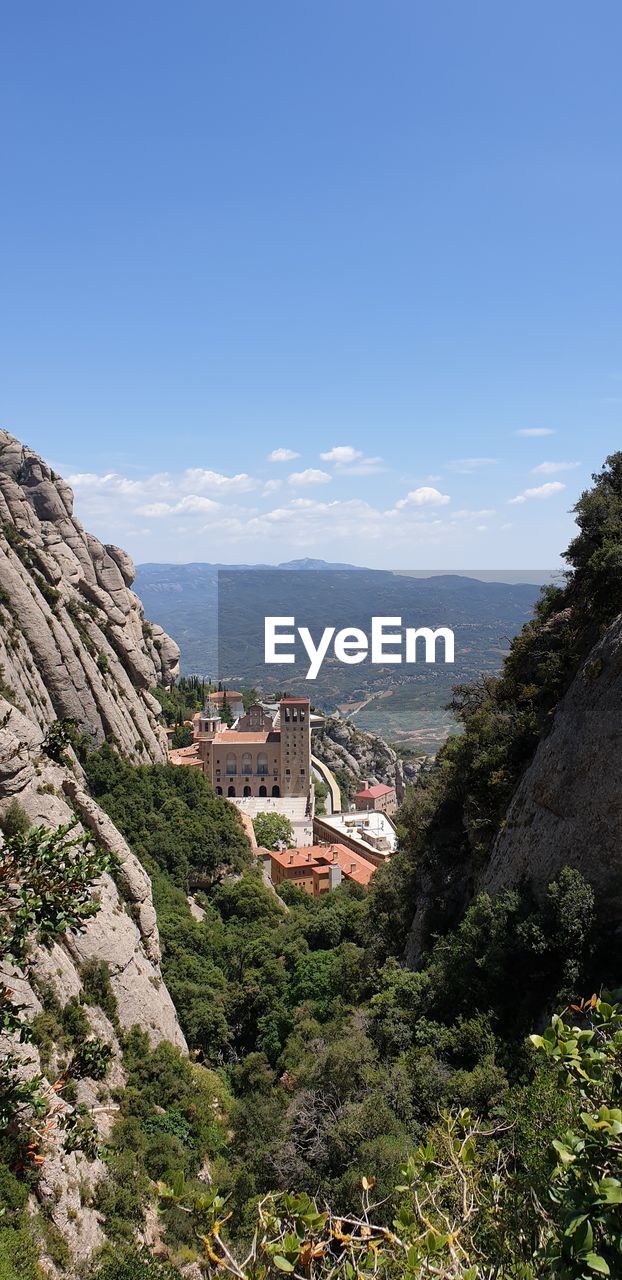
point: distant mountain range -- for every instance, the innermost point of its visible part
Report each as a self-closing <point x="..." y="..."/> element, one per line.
<point x="401" y="703"/>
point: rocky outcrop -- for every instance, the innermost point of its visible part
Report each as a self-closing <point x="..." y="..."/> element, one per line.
<point x="123" y="935"/>
<point x="74" y="642"/>
<point x="354" y="755"/>
<point x="567" y="810"/>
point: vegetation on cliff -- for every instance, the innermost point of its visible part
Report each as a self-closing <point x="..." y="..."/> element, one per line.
<point x="356" y="1117"/>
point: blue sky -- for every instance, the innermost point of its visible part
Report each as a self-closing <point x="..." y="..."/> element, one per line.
<point x="386" y="228"/>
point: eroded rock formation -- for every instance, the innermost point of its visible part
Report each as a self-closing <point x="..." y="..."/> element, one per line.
<point x="567" y="810"/>
<point x="358" y="755"/>
<point x="74" y="642"/>
<point x="123" y="936"/>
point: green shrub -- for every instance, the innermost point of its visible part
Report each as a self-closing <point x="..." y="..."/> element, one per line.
<point x="97" y="988"/>
<point x="133" y="1264"/>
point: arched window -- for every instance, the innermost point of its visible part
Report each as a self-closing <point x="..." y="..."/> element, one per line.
<point x="247" y="791"/>
<point x="263" y="791"/>
<point x="230" y="791"/>
<point x="276" y="791"/>
<point x="262" y="763"/>
<point x="231" y="766"/>
<point x="218" y="791"/>
<point x="247" y="764"/>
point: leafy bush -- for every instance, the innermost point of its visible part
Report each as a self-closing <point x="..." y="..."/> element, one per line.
<point x="133" y="1264"/>
<point x="586" y="1182"/>
<point x="273" y="831"/>
<point x="45" y="889"/>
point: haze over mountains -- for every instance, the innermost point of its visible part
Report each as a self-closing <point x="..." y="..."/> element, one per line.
<point x="223" y="639"/>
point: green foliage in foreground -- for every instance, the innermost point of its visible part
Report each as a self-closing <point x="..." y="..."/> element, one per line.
<point x="133" y="1263"/>
<point x="18" y="1248"/>
<point x="461" y="1211"/>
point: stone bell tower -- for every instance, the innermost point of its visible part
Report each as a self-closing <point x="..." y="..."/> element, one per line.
<point x="208" y="725"/>
<point x="295" y="727"/>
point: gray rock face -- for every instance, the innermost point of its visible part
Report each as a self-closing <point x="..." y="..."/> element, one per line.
<point x="123" y="935"/>
<point x="360" y="755"/>
<point x="74" y="642"/>
<point x="567" y="810"/>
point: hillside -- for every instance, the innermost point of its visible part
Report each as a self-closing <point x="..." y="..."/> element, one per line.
<point x="198" y="1081"/>
<point x="216" y="615"/>
<point x="78" y="662"/>
<point x="354" y="756"/>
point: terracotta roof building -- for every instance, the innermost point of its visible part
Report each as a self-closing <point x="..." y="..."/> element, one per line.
<point x="380" y="798"/>
<point x="318" y="868"/>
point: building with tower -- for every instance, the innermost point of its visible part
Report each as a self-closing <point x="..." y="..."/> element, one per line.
<point x="265" y="754"/>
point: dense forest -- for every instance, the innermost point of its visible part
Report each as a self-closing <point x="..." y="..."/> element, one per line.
<point x="373" y="1119"/>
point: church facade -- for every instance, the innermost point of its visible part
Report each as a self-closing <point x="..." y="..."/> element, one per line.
<point x="263" y="755"/>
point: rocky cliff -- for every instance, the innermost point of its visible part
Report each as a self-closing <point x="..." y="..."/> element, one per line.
<point x="122" y="937"/>
<point x="354" y="755"/>
<point x="74" y="642"/>
<point x="567" y="810"/>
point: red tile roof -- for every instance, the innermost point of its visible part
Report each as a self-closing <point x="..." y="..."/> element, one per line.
<point x="185" y="755"/>
<point x="374" y="792"/>
<point x="318" y="858"/>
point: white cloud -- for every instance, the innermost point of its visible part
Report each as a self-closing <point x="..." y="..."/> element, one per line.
<point x="195" y="502"/>
<point x="543" y="491"/>
<point x="216" y="482"/>
<point x="466" y="466"/>
<point x="110" y="481"/>
<point x="532" y="432"/>
<point x="282" y="455"/>
<point x="551" y="468"/>
<point x="189" y="505"/>
<point x="350" y="461"/>
<point x="199" y="512"/>
<point x="423" y="497"/>
<point x="341" y="453"/>
<point x="311" y="476"/>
